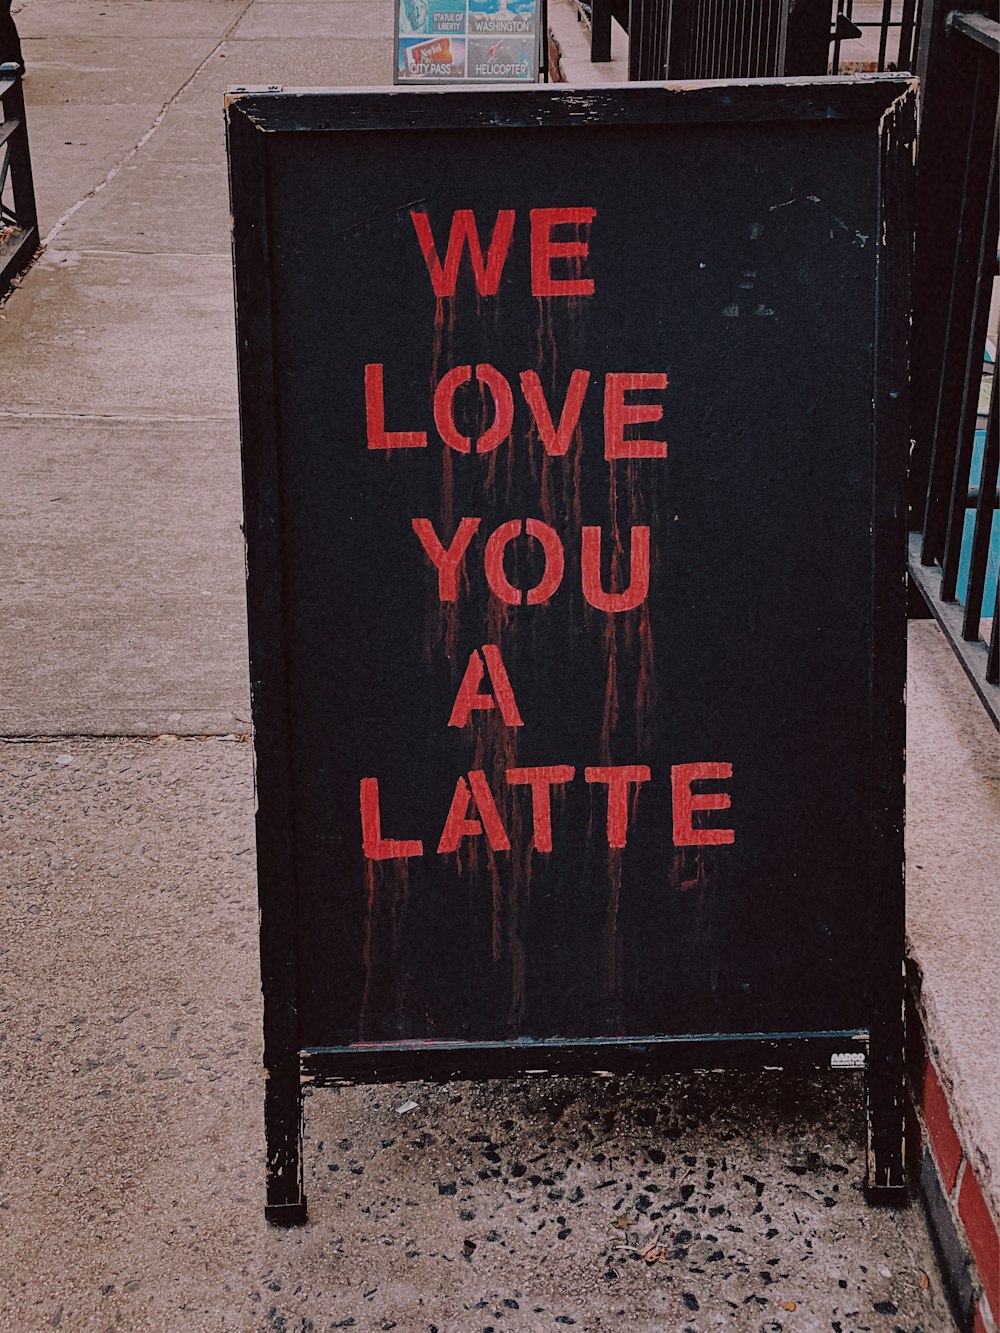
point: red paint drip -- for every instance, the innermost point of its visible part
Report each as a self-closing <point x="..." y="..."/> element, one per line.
<point x="496" y="899"/>
<point x="645" y="700"/>
<point x="690" y="869"/>
<point x="387" y="885"/>
<point x="494" y="751"/>
<point x="611" y="709"/>
<point x="443" y="616"/>
<point x="367" y="951"/>
<point x="645" y="695"/>
<point x="443" y="344"/>
<point x="609" y="719"/>
<point x="612" y="957"/>
<point x="520" y="900"/>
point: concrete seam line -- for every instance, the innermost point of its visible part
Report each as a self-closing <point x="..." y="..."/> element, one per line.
<point x="7" y="415"/>
<point x="116" y="170"/>
<point x="125" y="737"/>
<point x="150" y="254"/>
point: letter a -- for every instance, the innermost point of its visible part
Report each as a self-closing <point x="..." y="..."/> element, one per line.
<point x="460" y="824"/>
<point x="469" y="698"/>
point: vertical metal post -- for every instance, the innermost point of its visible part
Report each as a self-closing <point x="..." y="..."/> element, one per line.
<point x="985" y="508"/>
<point x="905" y="54"/>
<point x="968" y="328"/>
<point x="950" y="69"/>
<point x="600" y="31"/>
<point x="964" y="322"/>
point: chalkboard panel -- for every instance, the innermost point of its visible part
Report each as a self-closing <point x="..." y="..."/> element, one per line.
<point x="573" y="461"/>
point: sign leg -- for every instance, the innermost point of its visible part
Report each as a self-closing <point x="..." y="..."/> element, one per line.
<point x="885" y="1110"/>
<point x="286" y="1201"/>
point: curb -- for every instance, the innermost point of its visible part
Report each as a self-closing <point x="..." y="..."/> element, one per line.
<point x="960" y="1213"/>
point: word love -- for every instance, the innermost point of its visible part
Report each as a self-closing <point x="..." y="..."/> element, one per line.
<point x="620" y="411"/>
<point x="474" y="812"/>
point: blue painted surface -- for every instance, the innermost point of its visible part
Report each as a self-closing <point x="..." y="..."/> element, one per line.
<point x="993" y="560"/>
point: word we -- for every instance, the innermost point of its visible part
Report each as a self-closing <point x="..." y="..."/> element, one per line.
<point x="487" y="272"/>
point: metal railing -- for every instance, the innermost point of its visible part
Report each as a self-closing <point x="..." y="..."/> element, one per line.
<point x="709" y="40"/>
<point x="18" y="219"/>
<point x="746" y="39"/>
<point x="894" y="26"/>
<point x="955" y="527"/>
<point x="693" y="39"/>
<point x="954" y="513"/>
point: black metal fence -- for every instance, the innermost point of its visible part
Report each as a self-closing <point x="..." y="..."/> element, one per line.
<point x="746" y="39"/>
<point x="890" y="25"/>
<point x="955" y="527"/>
<point x="18" y="219"/>
<point x="694" y="39"/>
<point x="954" y="513"/>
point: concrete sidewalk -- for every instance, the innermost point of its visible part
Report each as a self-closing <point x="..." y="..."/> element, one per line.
<point x="130" y="1140"/>
<point x="119" y="409"/>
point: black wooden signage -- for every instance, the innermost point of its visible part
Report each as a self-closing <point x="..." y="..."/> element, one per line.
<point x="574" y="448"/>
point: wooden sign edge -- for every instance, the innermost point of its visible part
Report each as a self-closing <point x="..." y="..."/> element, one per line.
<point x="253" y="117"/>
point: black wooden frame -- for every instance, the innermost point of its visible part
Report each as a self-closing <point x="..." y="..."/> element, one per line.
<point x="256" y="119"/>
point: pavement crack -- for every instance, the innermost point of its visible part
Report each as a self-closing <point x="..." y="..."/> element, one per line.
<point x="119" y="166"/>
